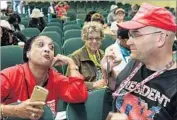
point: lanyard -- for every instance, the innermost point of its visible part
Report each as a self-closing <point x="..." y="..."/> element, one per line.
<point x="157" y="73"/>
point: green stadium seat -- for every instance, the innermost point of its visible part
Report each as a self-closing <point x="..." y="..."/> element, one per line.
<point x="69" y="22"/>
<point x="71" y="26"/>
<point x="56" y="20"/>
<point x="108" y="40"/>
<point x="54" y="29"/>
<point x="30" y="32"/>
<point x="72" y="45"/>
<point x="55" y="24"/>
<point x="96" y="107"/>
<point x="25" y="22"/>
<point x="58" y="50"/>
<point x="73" y="33"/>
<point x="80" y="22"/>
<point x="71" y="15"/>
<point x="56" y="37"/>
<point x="10" y="56"/>
<point x="80" y="10"/>
<point x="81" y="16"/>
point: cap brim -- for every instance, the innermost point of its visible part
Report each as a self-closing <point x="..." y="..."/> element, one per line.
<point x="130" y="25"/>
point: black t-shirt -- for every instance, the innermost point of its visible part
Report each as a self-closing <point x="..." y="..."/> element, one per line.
<point x="156" y="100"/>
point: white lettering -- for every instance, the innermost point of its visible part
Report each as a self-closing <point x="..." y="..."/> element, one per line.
<point x="148" y="92"/>
<point x="152" y="94"/>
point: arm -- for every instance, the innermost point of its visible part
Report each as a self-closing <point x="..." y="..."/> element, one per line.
<point x="114" y="60"/>
<point x="19" y="110"/>
<point x="72" y="89"/>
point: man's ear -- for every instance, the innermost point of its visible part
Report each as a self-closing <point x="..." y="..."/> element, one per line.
<point x="161" y="40"/>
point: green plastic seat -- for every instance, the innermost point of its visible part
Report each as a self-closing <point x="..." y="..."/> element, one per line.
<point x="25" y="22"/>
<point x="108" y="40"/>
<point x="71" y="26"/>
<point x="96" y="107"/>
<point x="10" y="56"/>
<point x="54" y="29"/>
<point x="71" y="15"/>
<point x="80" y="10"/>
<point x="72" y="45"/>
<point x="81" y="16"/>
<point x="69" y="22"/>
<point x="56" y="20"/>
<point x="56" y="37"/>
<point x="55" y="24"/>
<point x="73" y="33"/>
<point x="30" y="32"/>
<point x="58" y="50"/>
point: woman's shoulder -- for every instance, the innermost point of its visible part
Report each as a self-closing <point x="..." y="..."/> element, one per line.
<point x="13" y="71"/>
<point x="78" y="52"/>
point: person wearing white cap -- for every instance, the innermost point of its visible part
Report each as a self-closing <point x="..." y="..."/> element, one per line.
<point x="120" y="14"/>
<point x="111" y="16"/>
<point x="35" y="19"/>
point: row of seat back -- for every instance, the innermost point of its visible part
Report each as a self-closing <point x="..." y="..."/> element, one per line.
<point x="10" y="56"/>
<point x="96" y="107"/>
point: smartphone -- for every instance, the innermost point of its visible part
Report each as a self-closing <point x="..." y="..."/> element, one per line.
<point x="39" y="94"/>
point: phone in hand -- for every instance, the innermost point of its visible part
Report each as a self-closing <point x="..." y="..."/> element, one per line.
<point x="39" y="94"/>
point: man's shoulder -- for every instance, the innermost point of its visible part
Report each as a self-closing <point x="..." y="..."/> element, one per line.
<point x="128" y="69"/>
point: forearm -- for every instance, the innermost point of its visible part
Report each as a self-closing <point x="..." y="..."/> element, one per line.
<point x="73" y="69"/>
<point x="89" y="85"/>
<point x="110" y="77"/>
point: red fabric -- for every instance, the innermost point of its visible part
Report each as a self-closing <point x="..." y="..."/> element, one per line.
<point x="66" y="7"/>
<point x="149" y="15"/>
<point x="60" y="11"/>
<point x="69" y="89"/>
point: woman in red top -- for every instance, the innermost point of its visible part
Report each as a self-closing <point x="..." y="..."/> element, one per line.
<point x="61" y="10"/>
<point x="17" y="82"/>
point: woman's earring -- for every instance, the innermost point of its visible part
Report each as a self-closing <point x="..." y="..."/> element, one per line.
<point x="28" y="56"/>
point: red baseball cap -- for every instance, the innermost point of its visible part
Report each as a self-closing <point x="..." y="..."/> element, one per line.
<point x="149" y="15"/>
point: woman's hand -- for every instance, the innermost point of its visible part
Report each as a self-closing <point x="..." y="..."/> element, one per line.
<point x="28" y="109"/>
<point x="99" y="84"/>
<point x="61" y="60"/>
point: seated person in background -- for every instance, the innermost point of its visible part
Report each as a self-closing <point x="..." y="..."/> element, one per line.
<point x="8" y="36"/>
<point x="9" y="10"/>
<point x="88" y="16"/>
<point x="17" y="82"/>
<point x="35" y="19"/>
<point x="111" y="16"/>
<point x="61" y="11"/>
<point x="134" y="10"/>
<point x="146" y="88"/>
<point x="99" y="18"/>
<point x="120" y="15"/>
<point x="88" y="57"/>
<point x="120" y="50"/>
<point x="66" y="6"/>
<point x="14" y="20"/>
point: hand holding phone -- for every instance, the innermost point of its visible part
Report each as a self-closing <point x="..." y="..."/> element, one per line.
<point x="39" y="94"/>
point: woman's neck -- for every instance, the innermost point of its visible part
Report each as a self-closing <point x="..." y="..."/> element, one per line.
<point x="40" y="73"/>
<point x="91" y="51"/>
